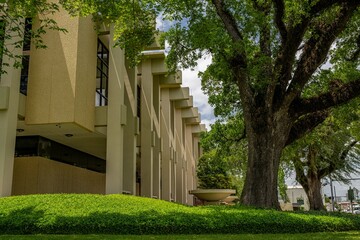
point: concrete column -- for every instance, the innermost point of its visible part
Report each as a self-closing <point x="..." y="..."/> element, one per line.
<point x="115" y="116"/>
<point x="147" y="129"/>
<point x="165" y="129"/>
<point x="179" y="155"/>
<point x="130" y="132"/>
<point x="9" y="101"/>
<point x="157" y="168"/>
<point x="189" y="164"/>
<point x="157" y="147"/>
<point x="196" y="159"/>
<point x="173" y="173"/>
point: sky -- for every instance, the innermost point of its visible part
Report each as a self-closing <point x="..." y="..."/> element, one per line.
<point x="190" y="79"/>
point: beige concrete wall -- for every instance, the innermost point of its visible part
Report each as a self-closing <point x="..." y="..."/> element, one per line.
<point x="86" y="74"/>
<point x="166" y="152"/>
<point x="8" y="118"/>
<point x="147" y="129"/>
<point x="115" y="114"/>
<point x="62" y="77"/>
<point x="130" y="131"/>
<point x="40" y="175"/>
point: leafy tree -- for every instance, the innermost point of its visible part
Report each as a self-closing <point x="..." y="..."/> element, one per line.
<point x="330" y="150"/>
<point x="12" y="23"/>
<point x="266" y="56"/>
<point x="212" y="172"/>
<point x="133" y="22"/>
<point x="224" y="153"/>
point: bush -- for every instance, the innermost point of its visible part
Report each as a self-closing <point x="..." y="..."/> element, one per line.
<point x="212" y="172"/>
<point x="120" y="214"/>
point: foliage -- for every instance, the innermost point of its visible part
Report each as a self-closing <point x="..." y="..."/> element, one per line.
<point x="120" y="214"/>
<point x="133" y="21"/>
<point x="12" y="25"/>
<point x="212" y="172"/>
<point x="331" y="150"/>
<point x="224" y="153"/>
<point x="337" y="151"/>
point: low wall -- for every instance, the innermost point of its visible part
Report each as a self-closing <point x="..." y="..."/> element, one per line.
<point x="36" y="175"/>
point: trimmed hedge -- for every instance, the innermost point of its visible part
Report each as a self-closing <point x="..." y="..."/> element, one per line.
<point x="121" y="214"/>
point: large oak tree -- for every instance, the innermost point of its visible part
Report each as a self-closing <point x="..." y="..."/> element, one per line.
<point x="265" y="55"/>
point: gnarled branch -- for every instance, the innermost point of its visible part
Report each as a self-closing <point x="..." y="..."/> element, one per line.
<point x="279" y="15"/>
<point x="316" y="49"/>
<point x="285" y="60"/>
<point x="305" y="124"/>
<point x="228" y="19"/>
<point x="339" y="94"/>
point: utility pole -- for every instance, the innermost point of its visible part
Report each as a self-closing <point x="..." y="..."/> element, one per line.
<point x="332" y="195"/>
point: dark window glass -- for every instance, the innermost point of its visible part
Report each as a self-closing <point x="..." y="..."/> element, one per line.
<point x="27" y="34"/>
<point x="39" y="146"/>
<point x="102" y="73"/>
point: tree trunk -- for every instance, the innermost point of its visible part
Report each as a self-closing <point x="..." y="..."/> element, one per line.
<point x="311" y="182"/>
<point x="313" y="193"/>
<point x="267" y="136"/>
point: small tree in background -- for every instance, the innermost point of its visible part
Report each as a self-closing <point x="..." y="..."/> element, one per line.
<point x="225" y="154"/>
<point x="212" y="172"/>
<point x="331" y="149"/>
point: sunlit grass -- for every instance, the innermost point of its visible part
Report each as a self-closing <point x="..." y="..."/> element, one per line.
<point x="121" y="214"/>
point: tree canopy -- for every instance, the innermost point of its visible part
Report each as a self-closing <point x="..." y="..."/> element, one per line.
<point x="270" y="62"/>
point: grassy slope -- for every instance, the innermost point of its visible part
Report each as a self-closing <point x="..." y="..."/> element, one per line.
<point x="120" y="214"/>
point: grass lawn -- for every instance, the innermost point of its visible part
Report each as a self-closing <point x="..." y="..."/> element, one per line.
<point x="320" y="236"/>
<point x="81" y="215"/>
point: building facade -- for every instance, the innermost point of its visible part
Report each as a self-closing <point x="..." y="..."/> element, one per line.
<point x="79" y="119"/>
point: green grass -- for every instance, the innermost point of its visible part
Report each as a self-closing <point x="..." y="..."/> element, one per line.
<point x="318" y="236"/>
<point x="120" y="214"/>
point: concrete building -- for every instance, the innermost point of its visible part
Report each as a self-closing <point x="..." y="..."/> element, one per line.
<point x="84" y="121"/>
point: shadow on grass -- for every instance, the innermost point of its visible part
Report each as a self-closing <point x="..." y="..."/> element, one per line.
<point x="21" y="221"/>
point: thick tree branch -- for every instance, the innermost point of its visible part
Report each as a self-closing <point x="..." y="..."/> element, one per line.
<point x="239" y="60"/>
<point x="325" y="4"/>
<point x="279" y="15"/>
<point x="339" y="94"/>
<point x="333" y="166"/>
<point x="228" y="20"/>
<point x="305" y="124"/>
<point x="286" y="58"/>
<point x="300" y="175"/>
<point x="346" y="151"/>
<point x="316" y="49"/>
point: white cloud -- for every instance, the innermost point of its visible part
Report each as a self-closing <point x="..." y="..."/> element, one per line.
<point x="190" y="79"/>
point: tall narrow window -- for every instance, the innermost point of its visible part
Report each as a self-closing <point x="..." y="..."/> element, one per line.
<point x="102" y="75"/>
<point x="26" y="57"/>
<point x="138" y="104"/>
